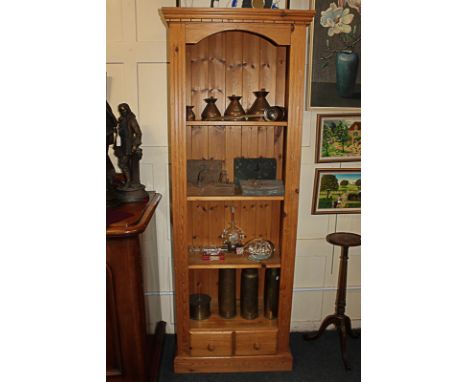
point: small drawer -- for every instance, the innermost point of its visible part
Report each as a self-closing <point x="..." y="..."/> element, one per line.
<point x="205" y="344"/>
<point x="251" y="343"/>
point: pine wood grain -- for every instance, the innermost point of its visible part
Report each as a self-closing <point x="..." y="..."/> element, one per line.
<point x="237" y="61"/>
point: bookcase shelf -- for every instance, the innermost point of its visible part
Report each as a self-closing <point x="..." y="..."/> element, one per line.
<point x="219" y="53"/>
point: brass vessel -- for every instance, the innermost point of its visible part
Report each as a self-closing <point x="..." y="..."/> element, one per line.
<point x="189" y="114"/>
<point x="235" y="111"/>
<point x="200" y="306"/>
<point x="258" y="107"/>
<point x="271" y="293"/>
<point x="211" y="112"/>
<point x="249" y="293"/>
<point x="275" y="113"/>
<point x="227" y="293"/>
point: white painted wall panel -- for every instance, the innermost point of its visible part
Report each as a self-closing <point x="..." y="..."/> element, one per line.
<point x="114" y="20"/>
<point x="310" y="271"/>
<point x="307" y="306"/>
<point x="159" y="307"/>
<point x="149" y="24"/>
<point x="116" y="89"/>
<point x="353" y="303"/>
<point x="152" y="102"/>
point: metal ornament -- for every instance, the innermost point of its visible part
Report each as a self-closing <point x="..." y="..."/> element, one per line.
<point x="189" y="114"/>
<point x="200" y="306"/>
<point x="271" y="293"/>
<point x="249" y="293"/>
<point x="259" y="106"/>
<point x="275" y="113"/>
<point x="111" y="124"/>
<point x="259" y="249"/>
<point x="211" y="112"/>
<point x="233" y="236"/>
<point x="129" y="155"/>
<point x="235" y="111"/>
<point x="227" y="293"/>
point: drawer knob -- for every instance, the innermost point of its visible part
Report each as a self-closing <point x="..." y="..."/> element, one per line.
<point x="210" y="347"/>
<point x="256" y="346"/>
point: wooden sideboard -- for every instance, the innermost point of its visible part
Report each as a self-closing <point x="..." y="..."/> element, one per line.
<point x="132" y="355"/>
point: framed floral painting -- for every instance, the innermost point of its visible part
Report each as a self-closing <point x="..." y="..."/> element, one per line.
<point x="338" y="138"/>
<point x="337" y="191"/>
<point x="334" y="77"/>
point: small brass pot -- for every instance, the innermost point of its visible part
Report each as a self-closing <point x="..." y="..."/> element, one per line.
<point x="258" y="107"/>
<point x="211" y="112"/>
<point x="200" y="306"/>
<point x="235" y="111"/>
<point x="275" y="113"/>
<point x="189" y="114"/>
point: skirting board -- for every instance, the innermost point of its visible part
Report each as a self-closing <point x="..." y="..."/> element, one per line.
<point x="311" y="326"/>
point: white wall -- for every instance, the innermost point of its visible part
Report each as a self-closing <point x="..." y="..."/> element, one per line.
<point x="137" y="74"/>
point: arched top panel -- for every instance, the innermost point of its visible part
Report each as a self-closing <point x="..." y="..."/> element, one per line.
<point x="279" y="35"/>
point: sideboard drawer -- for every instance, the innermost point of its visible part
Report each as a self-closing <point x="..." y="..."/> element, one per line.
<point x="206" y="344"/>
<point x="251" y="343"/>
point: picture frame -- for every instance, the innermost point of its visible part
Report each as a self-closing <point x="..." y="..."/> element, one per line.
<point x="338" y="138"/>
<point x="337" y="191"/>
<point x="334" y="68"/>
<point x="274" y="4"/>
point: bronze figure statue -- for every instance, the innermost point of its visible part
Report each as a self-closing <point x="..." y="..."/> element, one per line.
<point x="111" y="124"/>
<point x="129" y="154"/>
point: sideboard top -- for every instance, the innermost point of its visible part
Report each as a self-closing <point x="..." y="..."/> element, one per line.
<point x="131" y="219"/>
<point x="242" y="15"/>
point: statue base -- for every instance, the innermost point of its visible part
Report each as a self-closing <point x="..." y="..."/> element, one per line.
<point x="131" y="194"/>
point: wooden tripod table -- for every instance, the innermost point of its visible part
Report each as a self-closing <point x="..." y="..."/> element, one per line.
<point x="341" y="321"/>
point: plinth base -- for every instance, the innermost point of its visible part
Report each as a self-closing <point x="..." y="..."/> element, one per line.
<point x="131" y="194"/>
<point x="234" y="364"/>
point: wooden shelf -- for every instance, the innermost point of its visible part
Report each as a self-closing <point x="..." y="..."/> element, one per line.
<point x="221" y="198"/>
<point x="235" y="123"/>
<point x="216" y="322"/>
<point x="233" y="261"/>
<point x="216" y="52"/>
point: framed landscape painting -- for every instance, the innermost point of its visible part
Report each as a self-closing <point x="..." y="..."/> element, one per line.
<point x="337" y="191"/>
<point x="338" y="138"/>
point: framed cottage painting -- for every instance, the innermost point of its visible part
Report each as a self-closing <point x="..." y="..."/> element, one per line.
<point x="337" y="191"/>
<point x="334" y="78"/>
<point x="338" y="138"/>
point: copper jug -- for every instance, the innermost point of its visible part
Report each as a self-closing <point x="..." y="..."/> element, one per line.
<point x="259" y="106"/>
<point x="189" y="114"/>
<point x="211" y="112"/>
<point x="235" y="111"/>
